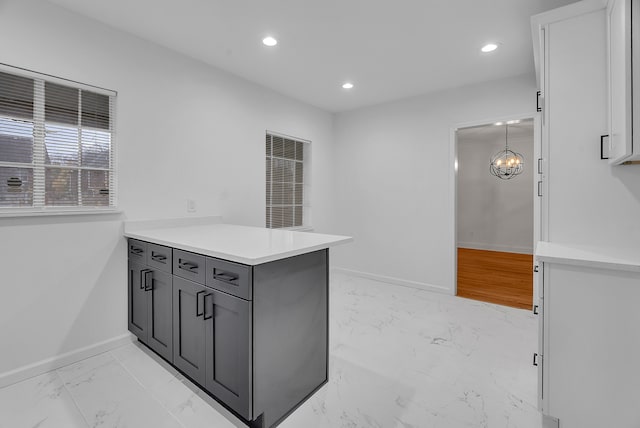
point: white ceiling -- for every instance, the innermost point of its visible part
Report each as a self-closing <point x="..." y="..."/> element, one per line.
<point x="389" y="49"/>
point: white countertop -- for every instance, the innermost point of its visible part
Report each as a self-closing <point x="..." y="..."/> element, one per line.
<point x="242" y="244"/>
<point x="616" y="258"/>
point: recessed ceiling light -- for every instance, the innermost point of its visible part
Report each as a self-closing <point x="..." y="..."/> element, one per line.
<point x="489" y="47"/>
<point x="269" y="41"/>
<point x="499" y="123"/>
<point x="347" y="85"/>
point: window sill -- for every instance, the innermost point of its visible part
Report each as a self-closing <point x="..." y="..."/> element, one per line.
<point x="57" y="212"/>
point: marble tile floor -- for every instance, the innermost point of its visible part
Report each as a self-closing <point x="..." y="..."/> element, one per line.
<point x="400" y="358"/>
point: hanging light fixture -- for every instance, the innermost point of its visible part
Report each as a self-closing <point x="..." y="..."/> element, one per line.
<point x="506" y="164"/>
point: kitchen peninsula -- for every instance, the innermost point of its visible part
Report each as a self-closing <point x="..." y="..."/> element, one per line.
<point x="242" y="311"/>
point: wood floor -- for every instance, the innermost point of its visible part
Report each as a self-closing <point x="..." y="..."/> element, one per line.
<point x="496" y="277"/>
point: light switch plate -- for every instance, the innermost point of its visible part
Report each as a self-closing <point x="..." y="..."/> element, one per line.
<point x="191" y="206"/>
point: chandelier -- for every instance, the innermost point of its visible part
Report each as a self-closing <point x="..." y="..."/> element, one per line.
<point x="506" y="164"/>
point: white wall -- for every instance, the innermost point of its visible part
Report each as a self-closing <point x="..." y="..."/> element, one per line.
<point x="393" y="171"/>
<point x="184" y="130"/>
<point x="494" y="214"/>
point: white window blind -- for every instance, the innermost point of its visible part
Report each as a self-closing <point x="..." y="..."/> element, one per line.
<point x="56" y="144"/>
<point x="285" y="163"/>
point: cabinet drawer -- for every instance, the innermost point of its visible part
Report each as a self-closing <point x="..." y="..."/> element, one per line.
<point x="232" y="278"/>
<point x="137" y="250"/>
<point x="159" y="257"/>
<point x="189" y="265"/>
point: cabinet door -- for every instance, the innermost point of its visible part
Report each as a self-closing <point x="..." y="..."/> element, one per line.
<point x="159" y="301"/>
<point x="138" y="310"/>
<point x="542" y="403"/>
<point x="189" y="328"/>
<point x="619" y="59"/>
<point x="228" y="341"/>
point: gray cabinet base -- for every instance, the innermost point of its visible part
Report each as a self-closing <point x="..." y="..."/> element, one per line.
<point x="290" y="334"/>
<point x="288" y="327"/>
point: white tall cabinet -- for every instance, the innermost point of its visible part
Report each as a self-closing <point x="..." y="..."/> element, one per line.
<point x="589" y="257"/>
<point x="623" y="27"/>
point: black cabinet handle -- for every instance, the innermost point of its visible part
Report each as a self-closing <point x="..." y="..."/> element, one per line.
<point x="224" y="276"/>
<point x="143" y="278"/>
<point x="535" y="309"/>
<point x="158" y="257"/>
<point x="188" y="266"/>
<point x="538" y="107"/>
<point x="535" y="359"/>
<point x="602" y="156"/>
<point x="136" y="250"/>
<point x="204" y="301"/>
<point x="148" y="280"/>
<point x="535" y="268"/>
<point x="198" y="313"/>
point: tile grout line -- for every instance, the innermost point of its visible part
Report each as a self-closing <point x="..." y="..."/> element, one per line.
<point x="73" y="400"/>
<point x="153" y="397"/>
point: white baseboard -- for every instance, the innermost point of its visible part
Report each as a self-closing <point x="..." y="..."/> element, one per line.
<point x="394" y="281"/>
<point x="496" y="247"/>
<point x="35" y="369"/>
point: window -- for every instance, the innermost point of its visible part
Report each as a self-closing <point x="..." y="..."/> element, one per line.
<point x="56" y="144"/>
<point x="285" y="165"/>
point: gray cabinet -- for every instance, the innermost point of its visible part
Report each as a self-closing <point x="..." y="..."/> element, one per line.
<point x="228" y="350"/>
<point x="150" y="297"/>
<point x="229" y="277"/>
<point x="189" y="266"/>
<point x="137" y="301"/>
<point x="212" y="336"/>
<point x="253" y="337"/>
<point x="189" y="328"/>
<point x="158" y="286"/>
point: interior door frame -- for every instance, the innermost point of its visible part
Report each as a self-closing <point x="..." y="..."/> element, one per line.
<point x="538" y="220"/>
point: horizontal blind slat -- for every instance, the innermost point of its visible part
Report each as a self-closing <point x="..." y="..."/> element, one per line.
<point x="16" y="96"/>
<point x="61" y="103"/>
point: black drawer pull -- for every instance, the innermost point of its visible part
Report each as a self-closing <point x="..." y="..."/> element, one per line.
<point x="198" y="312"/>
<point x="535" y="309"/>
<point x="143" y="279"/>
<point x="224" y="276"/>
<point x="188" y="266"/>
<point x="148" y="280"/>
<point x="602" y="145"/>
<point x="136" y="250"/>
<point x="204" y="300"/>
<point x="158" y="257"/>
<point x="535" y="359"/>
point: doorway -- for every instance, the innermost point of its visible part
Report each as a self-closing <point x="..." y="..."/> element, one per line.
<point x="495" y="214"/>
